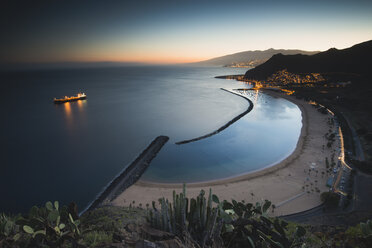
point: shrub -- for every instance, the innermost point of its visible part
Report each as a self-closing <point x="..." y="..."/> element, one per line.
<point x="207" y="220"/>
<point x="49" y="226"/>
<point x="95" y="238"/>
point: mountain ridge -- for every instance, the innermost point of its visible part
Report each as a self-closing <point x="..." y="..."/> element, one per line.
<point x="259" y="56"/>
<point x="349" y="60"/>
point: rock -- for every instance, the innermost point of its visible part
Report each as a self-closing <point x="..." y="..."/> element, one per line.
<point x="135" y="236"/>
<point x="156" y="235"/>
<point x="118" y="237"/>
<point x="132" y="227"/>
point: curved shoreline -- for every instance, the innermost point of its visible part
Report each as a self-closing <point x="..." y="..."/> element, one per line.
<point x="236" y="118"/>
<point x="250" y="175"/>
<point x="293" y="185"/>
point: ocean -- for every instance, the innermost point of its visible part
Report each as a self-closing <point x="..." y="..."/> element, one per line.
<point x="70" y="152"/>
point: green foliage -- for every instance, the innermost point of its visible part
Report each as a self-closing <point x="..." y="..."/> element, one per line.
<point x="366" y="229"/>
<point x="364" y="234"/>
<point x="204" y="221"/>
<point x="355" y="236"/>
<point x="249" y="226"/>
<point x="95" y="238"/>
<point x="195" y="216"/>
<point x="112" y="219"/>
<point x="7" y="226"/>
<point x="9" y="230"/>
<point x="49" y="226"/>
<point x="55" y="226"/>
<point x="354" y="231"/>
<point x="237" y="223"/>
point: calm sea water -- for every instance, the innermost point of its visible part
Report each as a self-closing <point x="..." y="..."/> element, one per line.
<point x="69" y="152"/>
<point x="263" y="137"/>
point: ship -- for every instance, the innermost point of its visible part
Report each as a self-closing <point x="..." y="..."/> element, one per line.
<point x="80" y="96"/>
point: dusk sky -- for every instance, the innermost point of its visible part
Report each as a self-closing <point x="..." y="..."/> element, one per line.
<point x="174" y="31"/>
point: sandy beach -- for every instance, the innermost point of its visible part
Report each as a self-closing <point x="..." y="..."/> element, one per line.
<point x="293" y="185"/>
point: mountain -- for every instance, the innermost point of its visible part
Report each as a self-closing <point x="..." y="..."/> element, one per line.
<point x="355" y="59"/>
<point x="249" y="57"/>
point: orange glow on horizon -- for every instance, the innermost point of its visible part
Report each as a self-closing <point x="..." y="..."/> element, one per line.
<point x="155" y="59"/>
<point x="159" y="60"/>
<point x="157" y="55"/>
<point x="116" y="58"/>
<point x="150" y="60"/>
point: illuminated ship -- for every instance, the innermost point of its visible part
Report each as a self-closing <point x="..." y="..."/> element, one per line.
<point x="80" y="96"/>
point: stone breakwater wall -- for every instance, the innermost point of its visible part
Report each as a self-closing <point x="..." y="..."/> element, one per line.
<point x="130" y="174"/>
<point x="250" y="107"/>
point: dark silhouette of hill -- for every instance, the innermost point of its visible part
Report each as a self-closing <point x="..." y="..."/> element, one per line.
<point x="356" y="59"/>
<point x="248" y="56"/>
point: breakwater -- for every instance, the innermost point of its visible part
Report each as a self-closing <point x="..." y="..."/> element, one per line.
<point x="129" y="175"/>
<point x="250" y="107"/>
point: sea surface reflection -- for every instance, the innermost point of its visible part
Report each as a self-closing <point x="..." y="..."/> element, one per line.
<point x="260" y="139"/>
<point x="69" y="152"/>
<point x="74" y="112"/>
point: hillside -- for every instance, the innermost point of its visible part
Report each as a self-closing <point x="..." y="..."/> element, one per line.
<point x="350" y="60"/>
<point x="252" y="58"/>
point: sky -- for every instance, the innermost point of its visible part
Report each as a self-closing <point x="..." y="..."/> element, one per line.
<point x="174" y="31"/>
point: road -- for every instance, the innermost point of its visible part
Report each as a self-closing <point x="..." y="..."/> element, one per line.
<point x="362" y="187"/>
<point x="362" y="192"/>
<point x="359" y="154"/>
<point x="305" y="216"/>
